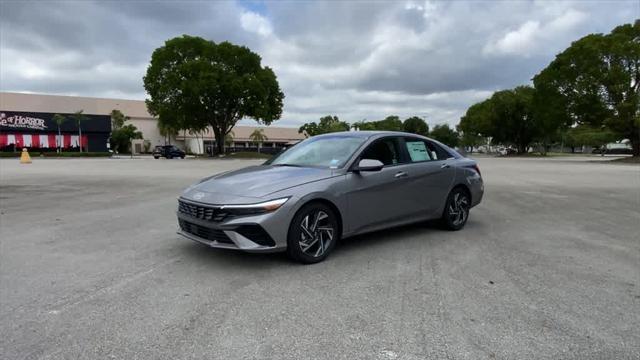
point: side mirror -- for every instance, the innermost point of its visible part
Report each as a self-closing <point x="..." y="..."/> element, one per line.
<point x="369" y="165"/>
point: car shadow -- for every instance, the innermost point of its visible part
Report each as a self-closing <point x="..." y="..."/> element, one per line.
<point x="232" y="258"/>
<point x="382" y="237"/>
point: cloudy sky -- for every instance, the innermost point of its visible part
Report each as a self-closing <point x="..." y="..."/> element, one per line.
<point x="358" y="60"/>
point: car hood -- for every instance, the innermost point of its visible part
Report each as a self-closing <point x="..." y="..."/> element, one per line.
<point x="258" y="181"/>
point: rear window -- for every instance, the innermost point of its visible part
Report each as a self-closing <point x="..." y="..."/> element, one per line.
<point x="437" y="152"/>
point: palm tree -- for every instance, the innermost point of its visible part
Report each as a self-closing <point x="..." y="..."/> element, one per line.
<point x="79" y="117"/>
<point x="228" y="139"/>
<point x="258" y="136"/>
<point x="58" y="119"/>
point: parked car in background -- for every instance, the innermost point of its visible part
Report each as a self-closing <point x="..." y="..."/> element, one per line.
<point x="617" y="148"/>
<point x="504" y="151"/>
<point x="168" y="151"/>
<point x="328" y="187"/>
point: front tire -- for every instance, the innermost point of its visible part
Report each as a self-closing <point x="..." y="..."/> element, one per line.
<point x="313" y="233"/>
<point x="456" y="210"/>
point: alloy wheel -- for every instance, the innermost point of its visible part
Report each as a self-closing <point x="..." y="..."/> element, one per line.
<point x="317" y="233"/>
<point x="459" y="209"/>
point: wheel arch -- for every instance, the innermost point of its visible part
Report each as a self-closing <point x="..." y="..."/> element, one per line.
<point x="465" y="188"/>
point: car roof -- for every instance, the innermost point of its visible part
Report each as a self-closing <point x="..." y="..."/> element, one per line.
<point x="365" y="133"/>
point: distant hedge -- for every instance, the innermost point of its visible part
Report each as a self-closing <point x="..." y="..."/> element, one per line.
<point x="55" y="154"/>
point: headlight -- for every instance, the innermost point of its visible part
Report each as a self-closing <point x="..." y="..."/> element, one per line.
<point x="258" y="208"/>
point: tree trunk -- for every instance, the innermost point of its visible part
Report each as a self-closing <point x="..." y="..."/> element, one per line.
<point x="635" y="146"/>
<point x="219" y="140"/>
<point x="522" y="148"/>
<point x="80" y="136"/>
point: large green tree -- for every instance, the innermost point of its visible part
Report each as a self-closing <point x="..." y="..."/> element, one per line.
<point x="587" y="135"/>
<point x="327" y="124"/>
<point x="507" y="117"/>
<point x="192" y="81"/>
<point x="445" y="135"/>
<point x="390" y="123"/>
<point x="475" y="124"/>
<point x="512" y="119"/>
<point x="416" y="125"/>
<point x="550" y="117"/>
<point x="598" y="78"/>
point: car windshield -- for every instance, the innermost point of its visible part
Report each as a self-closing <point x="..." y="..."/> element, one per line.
<point x="325" y="151"/>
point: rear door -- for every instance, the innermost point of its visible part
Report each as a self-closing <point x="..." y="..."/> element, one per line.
<point x="378" y="198"/>
<point x="432" y="174"/>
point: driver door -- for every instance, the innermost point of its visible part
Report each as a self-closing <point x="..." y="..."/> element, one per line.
<point x="376" y="199"/>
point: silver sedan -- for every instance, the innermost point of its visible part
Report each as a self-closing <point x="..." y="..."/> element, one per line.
<point x="329" y="187"/>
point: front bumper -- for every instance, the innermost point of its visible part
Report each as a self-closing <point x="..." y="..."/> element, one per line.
<point x="239" y="233"/>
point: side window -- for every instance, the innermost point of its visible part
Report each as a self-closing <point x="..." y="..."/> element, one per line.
<point x="418" y="150"/>
<point x="436" y="152"/>
<point x="384" y="150"/>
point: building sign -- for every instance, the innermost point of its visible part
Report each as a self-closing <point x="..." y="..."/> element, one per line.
<point x="21" y="122"/>
<point x="37" y="130"/>
<point x="39" y="122"/>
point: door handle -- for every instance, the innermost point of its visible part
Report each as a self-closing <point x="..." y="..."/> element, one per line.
<point x="401" y="174"/>
<point x="445" y="166"/>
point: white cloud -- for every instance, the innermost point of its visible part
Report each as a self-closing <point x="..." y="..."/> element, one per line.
<point x="255" y="23"/>
<point x="520" y="41"/>
<point x="566" y="21"/>
<point x="532" y="35"/>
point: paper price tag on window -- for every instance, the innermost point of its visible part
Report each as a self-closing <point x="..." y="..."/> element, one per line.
<point x="417" y="151"/>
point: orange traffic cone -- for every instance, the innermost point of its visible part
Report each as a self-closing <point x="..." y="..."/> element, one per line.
<point x="24" y="157"/>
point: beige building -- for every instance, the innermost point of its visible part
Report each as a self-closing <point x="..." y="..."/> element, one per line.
<point x="141" y="119"/>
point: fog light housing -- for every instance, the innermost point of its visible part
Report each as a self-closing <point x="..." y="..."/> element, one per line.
<point x="256" y="234"/>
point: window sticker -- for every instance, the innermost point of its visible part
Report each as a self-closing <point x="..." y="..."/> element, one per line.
<point x="417" y="151"/>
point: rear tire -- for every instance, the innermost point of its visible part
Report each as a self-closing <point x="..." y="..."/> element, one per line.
<point x="456" y="210"/>
<point x="156" y="157"/>
<point x="313" y="233"/>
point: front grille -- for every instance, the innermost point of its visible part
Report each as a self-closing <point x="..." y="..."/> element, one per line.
<point x="204" y="232"/>
<point x="202" y="212"/>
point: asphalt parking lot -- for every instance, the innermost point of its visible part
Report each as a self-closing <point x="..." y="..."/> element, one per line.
<point x="548" y="267"/>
